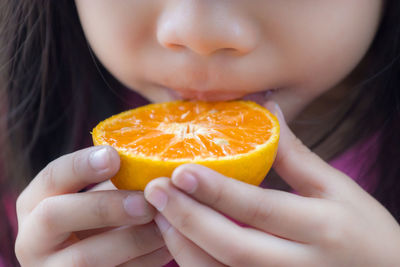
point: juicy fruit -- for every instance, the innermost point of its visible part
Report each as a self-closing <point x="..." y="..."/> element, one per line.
<point x="236" y="138"/>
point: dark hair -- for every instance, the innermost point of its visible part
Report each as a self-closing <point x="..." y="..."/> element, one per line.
<point x="383" y="107"/>
<point x="53" y="90"/>
<point x="373" y="106"/>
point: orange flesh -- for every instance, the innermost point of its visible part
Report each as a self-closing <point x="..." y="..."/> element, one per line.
<point x="193" y="130"/>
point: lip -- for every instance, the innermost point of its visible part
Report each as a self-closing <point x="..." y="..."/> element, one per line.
<point x="259" y="97"/>
<point x="218" y="94"/>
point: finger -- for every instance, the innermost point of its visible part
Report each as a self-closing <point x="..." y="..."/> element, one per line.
<point x="110" y="248"/>
<point x="56" y="217"/>
<point x="302" y="169"/>
<point x="280" y="213"/>
<point x="157" y="258"/>
<point x="184" y="251"/>
<point x="69" y="174"/>
<point x="224" y="240"/>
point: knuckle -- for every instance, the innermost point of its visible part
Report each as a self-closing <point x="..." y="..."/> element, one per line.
<point x="76" y="164"/>
<point x="20" y="203"/>
<point x="238" y="256"/>
<point x="297" y="149"/>
<point x="101" y="210"/>
<point x="21" y="252"/>
<point x="80" y="259"/>
<point x="335" y="230"/>
<point x="332" y="236"/>
<point x="186" y="221"/>
<point x="261" y="212"/>
<point x="44" y="213"/>
<point x="137" y="238"/>
<point x="47" y="176"/>
<point x="218" y="196"/>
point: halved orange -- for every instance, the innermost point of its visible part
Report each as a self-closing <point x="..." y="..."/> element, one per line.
<point x="236" y="138"/>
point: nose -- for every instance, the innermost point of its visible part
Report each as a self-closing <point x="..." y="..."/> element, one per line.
<point x="206" y="27"/>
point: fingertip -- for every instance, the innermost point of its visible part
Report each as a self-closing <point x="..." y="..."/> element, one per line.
<point x="104" y="159"/>
<point x="99" y="159"/>
<point x="275" y="109"/>
<point x="271" y="106"/>
<point x="113" y="152"/>
<point x="115" y="160"/>
<point x="155" y="193"/>
<point x="288" y="142"/>
<point x="286" y="136"/>
<point x="185" y="180"/>
<point x="136" y="206"/>
<point x="187" y="167"/>
<point x="193" y="168"/>
<point x="188" y="177"/>
<point x="157" y="182"/>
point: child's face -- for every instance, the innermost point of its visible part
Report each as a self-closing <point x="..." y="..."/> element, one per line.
<point x="222" y="50"/>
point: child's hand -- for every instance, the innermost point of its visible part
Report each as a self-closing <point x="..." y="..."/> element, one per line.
<point x="60" y="227"/>
<point x="333" y="222"/>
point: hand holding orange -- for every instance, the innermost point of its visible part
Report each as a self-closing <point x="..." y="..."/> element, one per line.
<point x="239" y="139"/>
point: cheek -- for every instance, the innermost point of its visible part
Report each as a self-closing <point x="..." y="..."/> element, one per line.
<point x="117" y="31"/>
<point x="326" y="52"/>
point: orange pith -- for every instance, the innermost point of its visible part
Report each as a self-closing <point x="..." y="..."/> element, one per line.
<point x="226" y="136"/>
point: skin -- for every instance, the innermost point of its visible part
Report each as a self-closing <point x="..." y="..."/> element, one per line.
<point x="215" y="50"/>
<point x="221" y="50"/>
<point x="84" y="229"/>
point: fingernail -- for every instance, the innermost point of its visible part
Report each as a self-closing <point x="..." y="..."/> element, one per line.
<point x="186" y="181"/>
<point x="162" y="222"/>
<point x="99" y="159"/>
<point x="279" y="113"/>
<point x="274" y="108"/>
<point x="270" y="106"/>
<point x="157" y="198"/>
<point x="135" y="205"/>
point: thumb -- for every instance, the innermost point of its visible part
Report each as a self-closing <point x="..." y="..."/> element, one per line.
<point x="302" y="169"/>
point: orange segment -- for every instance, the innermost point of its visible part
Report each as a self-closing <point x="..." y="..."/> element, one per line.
<point x="237" y="138"/>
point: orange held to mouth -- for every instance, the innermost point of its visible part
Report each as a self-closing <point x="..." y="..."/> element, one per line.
<point x="236" y="138"/>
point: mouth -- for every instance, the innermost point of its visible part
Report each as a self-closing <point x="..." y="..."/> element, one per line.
<point x="259" y="97"/>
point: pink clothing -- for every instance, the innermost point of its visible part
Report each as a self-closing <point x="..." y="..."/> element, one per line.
<point x="8" y="202"/>
<point x="356" y="162"/>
